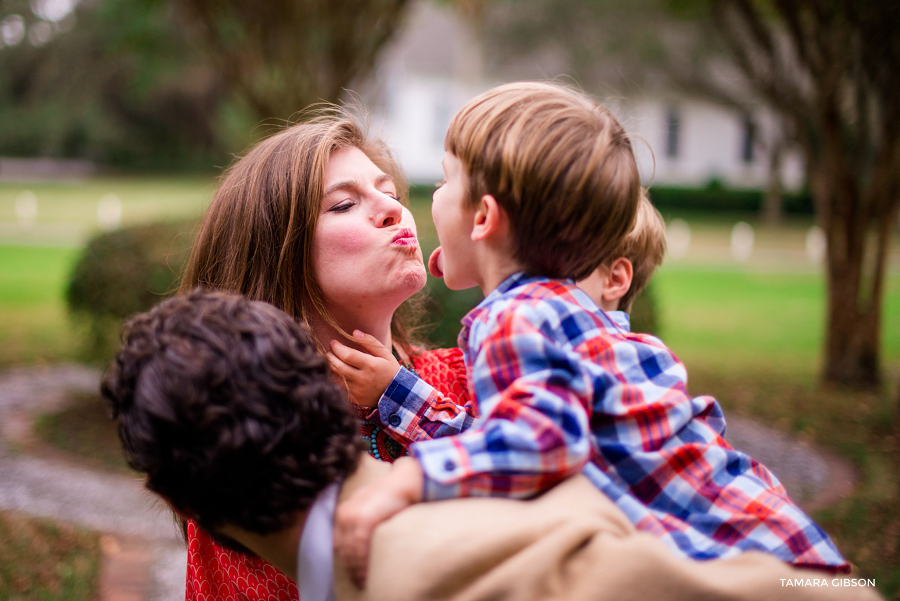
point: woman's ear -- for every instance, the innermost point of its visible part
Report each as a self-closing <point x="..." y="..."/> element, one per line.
<point x="617" y="281"/>
<point x="489" y="219"/>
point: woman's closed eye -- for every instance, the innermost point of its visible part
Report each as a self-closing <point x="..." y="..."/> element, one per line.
<point x="342" y="207"/>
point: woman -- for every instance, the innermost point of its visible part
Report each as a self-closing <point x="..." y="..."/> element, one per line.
<point x="314" y="220"/>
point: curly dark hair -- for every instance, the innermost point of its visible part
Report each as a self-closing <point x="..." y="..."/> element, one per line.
<point x="228" y="408"/>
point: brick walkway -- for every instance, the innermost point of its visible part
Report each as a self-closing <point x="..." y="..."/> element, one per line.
<point x="143" y="557"/>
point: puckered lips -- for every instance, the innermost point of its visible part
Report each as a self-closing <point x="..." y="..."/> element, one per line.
<point x="405" y="237"/>
<point x="436" y="264"/>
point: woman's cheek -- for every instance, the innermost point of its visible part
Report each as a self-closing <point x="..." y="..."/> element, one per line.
<point x="341" y="241"/>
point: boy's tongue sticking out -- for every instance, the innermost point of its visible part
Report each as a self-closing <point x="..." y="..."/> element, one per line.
<point x="436" y="264"/>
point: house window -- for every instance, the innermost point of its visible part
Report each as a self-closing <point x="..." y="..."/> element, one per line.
<point x="673" y="131"/>
<point x="748" y="141"/>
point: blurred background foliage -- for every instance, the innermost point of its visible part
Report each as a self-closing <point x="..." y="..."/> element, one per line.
<point x="123" y="88"/>
<point x="174" y="84"/>
<point x="182" y="84"/>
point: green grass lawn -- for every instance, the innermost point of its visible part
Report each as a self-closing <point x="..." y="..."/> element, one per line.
<point x="34" y="326"/>
<point x="750" y="321"/>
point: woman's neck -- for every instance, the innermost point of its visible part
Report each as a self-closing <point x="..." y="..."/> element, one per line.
<point x="379" y="327"/>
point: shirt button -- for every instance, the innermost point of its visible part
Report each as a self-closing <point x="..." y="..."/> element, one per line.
<point x="394" y="420"/>
<point x="449" y="465"/>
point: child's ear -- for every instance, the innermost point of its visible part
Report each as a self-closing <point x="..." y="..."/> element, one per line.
<point x="489" y="218"/>
<point x="618" y="280"/>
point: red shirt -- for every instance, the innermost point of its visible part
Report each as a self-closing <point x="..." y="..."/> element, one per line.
<point x="215" y="573"/>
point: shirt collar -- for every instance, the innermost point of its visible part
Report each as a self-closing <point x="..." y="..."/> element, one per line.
<point x="315" y="555"/>
<point x="517" y="279"/>
<point x="621" y="319"/>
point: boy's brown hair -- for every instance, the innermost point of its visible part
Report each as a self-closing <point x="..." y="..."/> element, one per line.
<point x="645" y="247"/>
<point x="560" y="166"/>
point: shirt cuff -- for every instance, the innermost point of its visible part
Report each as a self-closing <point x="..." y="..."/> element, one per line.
<point x="398" y="408"/>
<point x="445" y="466"/>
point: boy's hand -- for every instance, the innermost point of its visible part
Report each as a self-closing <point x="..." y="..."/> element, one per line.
<point x="356" y="518"/>
<point x="367" y="374"/>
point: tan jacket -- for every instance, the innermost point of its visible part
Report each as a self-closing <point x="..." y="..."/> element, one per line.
<point x="572" y="543"/>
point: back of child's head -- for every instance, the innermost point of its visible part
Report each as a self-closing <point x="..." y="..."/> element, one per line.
<point x="560" y="166"/>
<point x="645" y="247"/>
<point x="230" y="411"/>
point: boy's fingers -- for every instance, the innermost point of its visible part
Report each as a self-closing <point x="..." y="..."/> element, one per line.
<point x="372" y="344"/>
<point x="340" y="367"/>
<point x="351" y="357"/>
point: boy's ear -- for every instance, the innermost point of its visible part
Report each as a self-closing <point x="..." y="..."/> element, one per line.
<point x="489" y="218"/>
<point x="618" y="280"/>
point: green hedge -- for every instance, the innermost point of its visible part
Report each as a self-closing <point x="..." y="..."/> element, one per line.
<point x="716" y="197"/>
<point x="124" y="272"/>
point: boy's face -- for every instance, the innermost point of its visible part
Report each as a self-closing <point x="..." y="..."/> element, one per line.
<point x="454" y="259"/>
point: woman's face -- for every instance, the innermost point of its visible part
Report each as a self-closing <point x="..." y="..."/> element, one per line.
<point x="366" y="254"/>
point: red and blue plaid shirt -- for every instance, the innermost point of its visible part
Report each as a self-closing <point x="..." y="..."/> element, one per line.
<point x="559" y="390"/>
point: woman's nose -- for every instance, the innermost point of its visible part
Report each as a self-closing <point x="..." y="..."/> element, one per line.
<point x="390" y="212"/>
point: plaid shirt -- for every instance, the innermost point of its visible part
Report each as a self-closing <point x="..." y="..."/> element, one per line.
<point x="560" y="390"/>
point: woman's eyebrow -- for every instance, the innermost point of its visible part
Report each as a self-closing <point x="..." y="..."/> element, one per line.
<point x="349" y="184"/>
<point x="352" y="184"/>
<point x="384" y="177"/>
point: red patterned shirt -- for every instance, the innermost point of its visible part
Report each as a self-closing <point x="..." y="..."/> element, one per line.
<point x="215" y="573"/>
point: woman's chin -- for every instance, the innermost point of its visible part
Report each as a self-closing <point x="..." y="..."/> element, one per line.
<point x="413" y="278"/>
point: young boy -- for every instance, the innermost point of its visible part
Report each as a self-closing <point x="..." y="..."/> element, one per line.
<point x="227" y="408"/>
<point x="541" y="188"/>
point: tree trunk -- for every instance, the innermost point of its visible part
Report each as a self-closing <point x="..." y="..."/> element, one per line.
<point x="773" y="199"/>
<point x="854" y="278"/>
<point x="852" y="349"/>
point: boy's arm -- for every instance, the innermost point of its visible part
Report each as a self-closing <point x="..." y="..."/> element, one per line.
<point x="402" y="403"/>
<point x="534" y="400"/>
<point x="412" y="410"/>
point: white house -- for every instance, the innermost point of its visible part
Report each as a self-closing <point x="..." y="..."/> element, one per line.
<point x="435" y="65"/>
